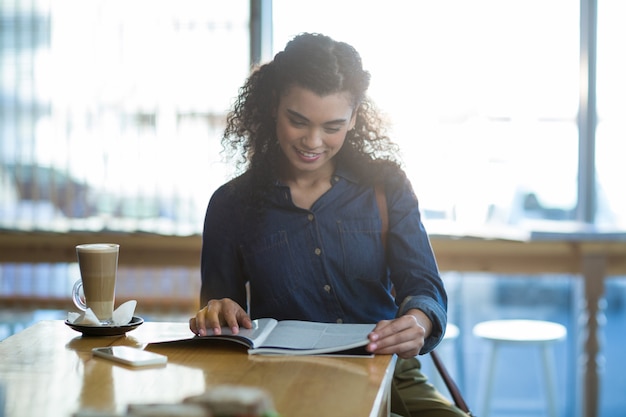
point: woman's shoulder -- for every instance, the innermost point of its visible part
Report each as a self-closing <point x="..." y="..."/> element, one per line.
<point x="233" y="190"/>
<point x="378" y="174"/>
<point x="394" y="180"/>
<point x="387" y="174"/>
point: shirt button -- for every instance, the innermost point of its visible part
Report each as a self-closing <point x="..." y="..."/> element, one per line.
<point x="318" y="251"/>
<point x="339" y="321"/>
<point x="327" y="288"/>
<point x="310" y="217"/>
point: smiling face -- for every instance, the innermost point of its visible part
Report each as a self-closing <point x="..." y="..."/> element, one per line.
<point x="312" y="129"/>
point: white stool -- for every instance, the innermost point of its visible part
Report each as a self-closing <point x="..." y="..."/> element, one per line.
<point x="519" y="332"/>
<point x="452" y="332"/>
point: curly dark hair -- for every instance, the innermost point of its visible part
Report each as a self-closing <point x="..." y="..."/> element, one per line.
<point x="324" y="66"/>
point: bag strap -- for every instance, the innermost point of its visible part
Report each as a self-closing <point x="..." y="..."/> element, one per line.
<point x="381" y="200"/>
<point x="453" y="388"/>
<point x="455" y="392"/>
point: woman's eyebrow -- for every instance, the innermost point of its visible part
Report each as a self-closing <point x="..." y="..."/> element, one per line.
<point x="330" y="122"/>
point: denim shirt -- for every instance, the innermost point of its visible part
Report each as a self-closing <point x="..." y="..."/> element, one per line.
<point x="326" y="264"/>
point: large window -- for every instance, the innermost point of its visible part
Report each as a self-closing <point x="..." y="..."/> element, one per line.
<point x="111" y="111"/>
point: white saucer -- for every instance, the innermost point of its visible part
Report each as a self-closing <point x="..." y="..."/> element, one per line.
<point x="87" y="330"/>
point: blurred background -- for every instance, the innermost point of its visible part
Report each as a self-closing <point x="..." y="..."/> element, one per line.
<point x="509" y="113"/>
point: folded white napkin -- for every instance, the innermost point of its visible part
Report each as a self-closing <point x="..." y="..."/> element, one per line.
<point x="122" y="315"/>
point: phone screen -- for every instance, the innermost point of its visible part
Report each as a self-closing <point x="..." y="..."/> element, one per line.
<point x="130" y="356"/>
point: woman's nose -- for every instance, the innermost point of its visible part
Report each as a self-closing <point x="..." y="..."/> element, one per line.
<point x="312" y="139"/>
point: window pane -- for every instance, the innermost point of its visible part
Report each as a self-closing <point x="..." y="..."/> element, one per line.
<point x="112" y="111"/>
<point x="611" y="130"/>
<point x="483" y="96"/>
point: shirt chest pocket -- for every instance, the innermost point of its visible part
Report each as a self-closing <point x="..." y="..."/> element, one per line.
<point x="363" y="254"/>
<point x="271" y="265"/>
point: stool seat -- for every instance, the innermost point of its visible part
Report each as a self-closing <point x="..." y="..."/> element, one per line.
<point x="542" y="334"/>
<point x="520" y="331"/>
<point x="452" y="332"/>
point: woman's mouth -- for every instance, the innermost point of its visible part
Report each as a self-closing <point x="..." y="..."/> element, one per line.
<point x="308" y="156"/>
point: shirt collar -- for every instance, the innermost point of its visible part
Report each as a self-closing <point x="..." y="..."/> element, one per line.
<point x="340" y="172"/>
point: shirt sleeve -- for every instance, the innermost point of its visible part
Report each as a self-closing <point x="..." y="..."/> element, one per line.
<point x="222" y="275"/>
<point x="412" y="264"/>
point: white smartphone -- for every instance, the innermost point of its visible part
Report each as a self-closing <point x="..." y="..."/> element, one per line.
<point x="130" y="356"/>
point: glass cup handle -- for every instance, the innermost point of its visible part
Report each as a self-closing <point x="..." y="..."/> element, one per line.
<point x="78" y="300"/>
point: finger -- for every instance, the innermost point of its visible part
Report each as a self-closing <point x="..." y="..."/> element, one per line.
<point x="392" y="328"/>
<point x="244" y="320"/>
<point x="406" y="326"/>
<point x="236" y="316"/>
<point x="231" y="321"/>
<point x="403" y="350"/>
<point x="198" y="324"/>
<point x="379" y="332"/>
<point x="193" y="326"/>
<point x="211" y="317"/>
<point x="217" y="313"/>
<point x="401" y="336"/>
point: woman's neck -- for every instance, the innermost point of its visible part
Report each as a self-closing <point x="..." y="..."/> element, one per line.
<point x="307" y="187"/>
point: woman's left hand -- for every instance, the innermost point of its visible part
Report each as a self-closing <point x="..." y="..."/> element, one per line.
<point x="403" y="336"/>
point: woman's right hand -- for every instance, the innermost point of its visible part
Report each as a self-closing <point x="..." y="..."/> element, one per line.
<point x="218" y="313"/>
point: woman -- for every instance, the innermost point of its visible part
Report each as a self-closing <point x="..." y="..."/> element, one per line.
<point x="301" y="227"/>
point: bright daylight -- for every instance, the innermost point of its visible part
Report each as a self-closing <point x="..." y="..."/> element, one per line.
<point x="503" y="254"/>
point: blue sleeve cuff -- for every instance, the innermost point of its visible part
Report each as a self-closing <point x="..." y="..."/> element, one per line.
<point x="434" y="312"/>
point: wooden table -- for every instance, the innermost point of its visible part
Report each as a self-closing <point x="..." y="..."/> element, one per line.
<point x="48" y="370"/>
<point x="593" y="256"/>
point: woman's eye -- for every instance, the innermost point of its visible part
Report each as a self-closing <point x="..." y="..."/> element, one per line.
<point x="296" y="122"/>
<point x="332" y="129"/>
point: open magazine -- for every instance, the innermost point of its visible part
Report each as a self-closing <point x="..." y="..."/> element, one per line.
<point x="293" y="337"/>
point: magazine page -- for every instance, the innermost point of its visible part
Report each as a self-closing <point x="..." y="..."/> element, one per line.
<point x="252" y="337"/>
<point x="247" y="337"/>
<point x="302" y="337"/>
